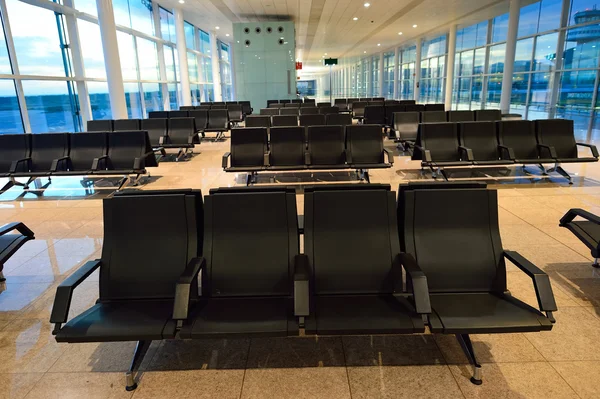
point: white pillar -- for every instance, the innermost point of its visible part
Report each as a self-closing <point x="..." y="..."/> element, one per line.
<point x="162" y="67"/>
<point x="417" y="91"/>
<point x="112" y="62"/>
<point x="380" y="94"/>
<point x="396" y="72"/>
<point x="509" y="56"/>
<point x="216" y="69"/>
<point x="450" y="66"/>
<point x="184" y="76"/>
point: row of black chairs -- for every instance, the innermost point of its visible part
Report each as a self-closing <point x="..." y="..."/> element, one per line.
<point x="292" y="101"/>
<point x="246" y="106"/>
<point x="73" y="154"/>
<point x="302" y="120"/>
<point x="11" y="242"/>
<point x="231" y="267"/>
<point x="300" y="111"/>
<point x="357" y="147"/>
<point x="500" y="143"/>
<point x="211" y="121"/>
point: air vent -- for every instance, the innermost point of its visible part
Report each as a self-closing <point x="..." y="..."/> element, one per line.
<point x="257" y="30"/>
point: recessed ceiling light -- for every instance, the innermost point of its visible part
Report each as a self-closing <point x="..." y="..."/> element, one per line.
<point x="325" y="53"/>
<point x="378" y="44"/>
<point x="217" y="28"/>
<point x="355" y="19"/>
<point x="414" y="26"/>
<point x="227" y="34"/>
<point x="399" y="33"/>
<point x="181" y="1"/>
<point x="365" y="52"/>
<point x="367" y="5"/>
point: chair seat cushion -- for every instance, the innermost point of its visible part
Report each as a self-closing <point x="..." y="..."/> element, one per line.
<point x="534" y="161"/>
<point x="361" y="314"/>
<point x="118" y="171"/>
<point x="340" y="166"/>
<point x="588" y="232"/>
<point x="243" y="317"/>
<point x="449" y="163"/>
<point x="121" y="321"/>
<point x="370" y="165"/>
<point x="287" y="167"/>
<point x="483" y="313"/>
<point x="494" y="162"/>
<point x="577" y="160"/>
<point x="244" y="168"/>
<point x="73" y="172"/>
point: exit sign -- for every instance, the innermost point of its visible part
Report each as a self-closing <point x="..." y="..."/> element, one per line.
<point x="331" y="61"/>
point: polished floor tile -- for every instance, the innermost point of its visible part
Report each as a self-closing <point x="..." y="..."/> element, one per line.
<point x="198" y="384"/>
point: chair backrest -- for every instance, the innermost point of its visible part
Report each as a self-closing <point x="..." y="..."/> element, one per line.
<point x="285" y="101"/>
<point x="441" y="139"/>
<point x="414" y="108"/>
<point x="389" y="113"/>
<point x="488" y="115"/>
<point x="391" y="102"/>
<point x="289" y="111"/>
<point x="87" y="147"/>
<point x="341" y="241"/>
<point x="482" y="138"/>
<point x="12" y="148"/>
<point x="296" y="101"/>
<point x="338" y="119"/>
<point x="374" y="115"/>
<point x="340" y="101"/>
<point x="407" y="102"/>
<point x="309" y="111"/>
<point x="269" y="102"/>
<point x="351" y="102"/>
<point x="156" y="129"/>
<point x="45" y="148"/>
<point x="292" y="105"/>
<point x="180" y="130"/>
<point x="312" y="120"/>
<point x="461" y="116"/>
<point x="378" y="99"/>
<point x="435" y="107"/>
<point x="326" y="145"/>
<point x="284" y="120"/>
<point x="365" y="144"/>
<point x="218" y="119"/>
<point x="433" y="117"/>
<point x="246" y="107"/>
<point x="327" y="104"/>
<point x="218" y="103"/>
<point x="203" y="108"/>
<point x="248" y="146"/>
<point x="358" y="109"/>
<point x="276" y="105"/>
<point x="406" y="125"/>
<point x="454" y="236"/>
<point x="125" y="147"/>
<point x="258" y="121"/>
<point x="130" y="222"/>
<point x="187" y="108"/>
<point x="329" y="110"/>
<point x="178" y="114"/>
<point x="269" y="111"/>
<point x="309" y="101"/>
<point x="250" y="241"/>
<point x="101" y="125"/>
<point x="288" y="146"/>
<point x="520" y="136"/>
<point x="558" y="133"/>
<point x="121" y="125"/>
<point x="201" y="118"/>
<point x="228" y="103"/>
<point x="234" y="111"/>
<point x="158" y="114"/>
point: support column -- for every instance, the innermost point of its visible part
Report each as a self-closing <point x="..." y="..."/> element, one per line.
<point x="380" y="94"/>
<point x="509" y="56"/>
<point x="216" y="69"/>
<point x="162" y="67"/>
<point x="184" y="76"/>
<point x="450" y="66"/>
<point x="417" y="91"/>
<point x="560" y="46"/>
<point x="112" y="62"/>
<point x="396" y="72"/>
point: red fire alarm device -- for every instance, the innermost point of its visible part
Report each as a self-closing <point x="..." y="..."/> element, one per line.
<point x="298" y="66"/>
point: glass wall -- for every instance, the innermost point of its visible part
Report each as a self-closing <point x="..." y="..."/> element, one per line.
<point x="433" y="70"/>
<point x="406" y="79"/>
<point x="388" y="75"/>
<point x="374" y="87"/>
<point x="225" y="70"/>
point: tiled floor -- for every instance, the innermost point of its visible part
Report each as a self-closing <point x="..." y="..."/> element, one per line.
<point x="67" y="220"/>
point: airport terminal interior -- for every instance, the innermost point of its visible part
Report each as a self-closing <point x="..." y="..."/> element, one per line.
<point x="299" y="199"/>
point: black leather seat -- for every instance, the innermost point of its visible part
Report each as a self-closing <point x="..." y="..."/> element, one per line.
<point x="187" y="108"/>
<point x="351" y="102"/>
<point x="182" y="133"/>
<point x="518" y="142"/>
<point x="49" y="153"/>
<point x="10" y="243"/>
<point x="323" y="105"/>
<point x="158" y="114"/>
<point x="287" y="148"/>
<point x="309" y="101"/>
<point x="249" y="147"/>
<point x="341" y="103"/>
<point x="14" y="148"/>
<point x="390" y="109"/>
<point x="87" y="153"/>
<point x="338" y="119"/>
<point x="277" y="105"/>
<point x="587" y="230"/>
<point x="157" y="129"/>
<point x="284" y="120"/>
<point x="435" y="107"/>
<point x="358" y="109"/>
<point x="288" y="111"/>
<point x="405" y="128"/>
<point x="488" y="115"/>
<point x="201" y="117"/>
<point x="354" y="259"/>
<point x="292" y="105"/>
<point x="440" y="146"/>
<point x="309" y="111"/>
<point x="482" y="140"/>
<point x="269" y="111"/>
<point x="178" y="114"/>
<point x="312" y="120"/>
<point x="407" y="102"/>
<point x="557" y="141"/>
<point x="365" y="150"/>
<point x="461" y="116"/>
<point x="326" y="147"/>
<point x="128" y="152"/>
<point x="374" y="115"/>
<point x="329" y="110"/>
<point x="271" y="102"/>
<point x="235" y="113"/>
<point x="101" y="125"/>
<point x="296" y="101"/>
<point x="242" y="295"/>
<point x="414" y="107"/>
<point x="433" y="117"/>
<point x="218" y="106"/>
<point x="246" y="107"/>
<point x="218" y="121"/>
<point x="258" y="121"/>
<point x="454" y="236"/>
<point x="120" y="125"/>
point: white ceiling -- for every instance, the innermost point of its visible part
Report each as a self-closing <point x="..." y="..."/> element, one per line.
<point x="327" y="26"/>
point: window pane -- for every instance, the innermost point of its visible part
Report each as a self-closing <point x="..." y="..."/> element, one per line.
<point x="190" y="41"/>
<point x="528" y="19"/>
<point x="496" y="64"/>
<point x="539" y="96"/>
<point x="49" y="106"/>
<point x="583" y="11"/>
<point x="99" y="100"/>
<point x="170" y="63"/>
<point x="482" y="31"/>
<point x="192" y="67"/>
<point x="464" y="90"/>
<point x="434" y="47"/>
<point x="550" y="15"/>
<point x="224" y="51"/>
<point x="10" y="115"/>
<point x="167" y="25"/>
<point x="5" y="67"/>
<point x="523" y="55"/>
<point x="476" y="92"/>
<point x="134" y="101"/>
<point x="581" y="47"/>
<point x="127" y="56"/>
<point x="87" y="6"/>
<point x="206" y="64"/>
<point x="148" y="59"/>
<point x="36" y="39"/>
<point x="576" y="89"/>
<point x="494" y="91"/>
<point x="466" y="63"/>
<point x="204" y="43"/>
<point x="173" y="95"/>
<point x="196" y="90"/>
<point x="469" y="37"/>
<point x="121" y="10"/>
<point x="141" y="16"/>
<point x="91" y="50"/>
<point x="152" y="97"/>
<point x="519" y="89"/>
<point x="545" y="52"/>
<point x="500" y="28"/>
<point x="479" y="65"/>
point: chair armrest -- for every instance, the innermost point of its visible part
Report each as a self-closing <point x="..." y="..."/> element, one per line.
<point x="55" y="162"/>
<point x="20" y="227"/>
<point x="161" y="140"/>
<point x="96" y="161"/>
<point x="267" y="158"/>
<point x="307" y="158"/>
<point x="191" y="138"/>
<point x="426" y="154"/>
<point x="573" y="213"/>
<point x="541" y="281"/>
<point x="301" y="285"/>
<point x="504" y="149"/>
<point x="418" y="282"/>
<point x="139" y="163"/>
<point x="15" y="164"/>
<point x="389" y="155"/>
<point x="466" y="151"/>
<point x="591" y="147"/>
<point x="182" y="289"/>
<point x="64" y="292"/>
<point x="348" y="155"/>
<point x="550" y="149"/>
<point x="225" y="156"/>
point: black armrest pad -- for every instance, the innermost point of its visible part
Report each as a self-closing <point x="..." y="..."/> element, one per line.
<point x="390" y="156"/>
<point x="504" y="149"/>
<point x="15" y="164"/>
<point x="138" y="163"/>
<point x="64" y="292"/>
<point x="591" y="147"/>
<point x="96" y="162"/>
<point x="267" y="158"/>
<point x="467" y="151"/>
<point x="550" y="149"/>
<point x="20" y="227"/>
<point x="301" y="285"/>
<point x="418" y="282"/>
<point x="541" y="281"/>
<point x="225" y="156"/>
<point x="573" y="213"/>
<point x="183" y="288"/>
<point x="54" y="166"/>
<point x="307" y="158"/>
<point x="348" y="155"/>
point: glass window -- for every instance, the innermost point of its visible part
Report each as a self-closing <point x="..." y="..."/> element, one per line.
<point x="545" y="52"/>
<point x="482" y="32"/>
<point x="127" y="56"/>
<point x="91" y="50"/>
<point x="583" y="11"/>
<point x="466" y="63"/>
<point x="433" y="47"/>
<point x="152" y="97"/>
<point x="581" y="48"/>
<point x="141" y="16"/>
<point x="409" y="54"/>
<point x="49" y="105"/>
<point x="494" y="90"/>
<point x="469" y="37"/>
<point x="190" y="37"/>
<point x="5" y="65"/>
<point x="528" y="19"/>
<point x="148" y="59"/>
<point x="121" y="11"/>
<point x="204" y="43"/>
<point x="192" y="67"/>
<point x="519" y="89"/>
<point x="133" y="100"/>
<point x="479" y="62"/>
<point x="550" y="15"/>
<point x="576" y="89"/>
<point x="496" y="61"/>
<point x="10" y="114"/>
<point x="207" y="67"/>
<point x="523" y="55"/>
<point x="87" y="6"/>
<point x="99" y="100"/>
<point x="539" y="95"/>
<point x="224" y="51"/>
<point x="173" y="89"/>
<point x="167" y="25"/>
<point x="500" y="28"/>
<point x="170" y="63"/>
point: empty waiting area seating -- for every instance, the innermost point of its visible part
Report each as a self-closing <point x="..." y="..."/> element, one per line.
<point x="258" y="121"/>
<point x="586" y="228"/>
<point x="12" y="237"/>
<point x="405" y="128"/>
